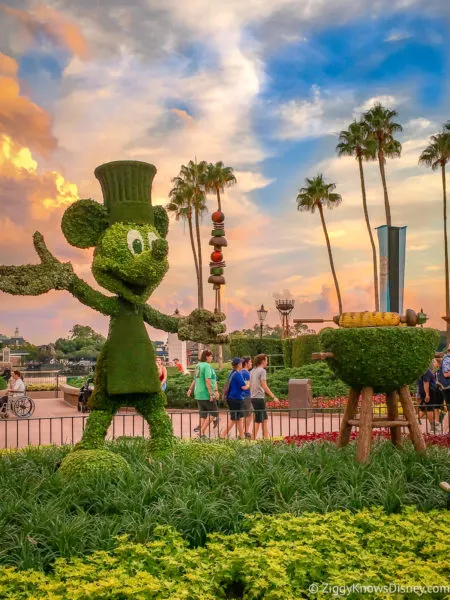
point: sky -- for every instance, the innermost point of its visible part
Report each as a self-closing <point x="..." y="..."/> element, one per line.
<point x="264" y="86"/>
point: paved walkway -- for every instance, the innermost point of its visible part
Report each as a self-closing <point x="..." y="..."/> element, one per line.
<point x="55" y="422"/>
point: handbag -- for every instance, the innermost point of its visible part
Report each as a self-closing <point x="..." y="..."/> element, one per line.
<point x="226" y="389"/>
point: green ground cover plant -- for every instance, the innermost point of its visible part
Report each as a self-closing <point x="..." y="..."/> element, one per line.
<point x="275" y="558"/>
<point x="198" y="489"/>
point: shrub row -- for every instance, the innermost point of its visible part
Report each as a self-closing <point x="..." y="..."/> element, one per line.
<point x="200" y="488"/>
<point x="275" y="557"/>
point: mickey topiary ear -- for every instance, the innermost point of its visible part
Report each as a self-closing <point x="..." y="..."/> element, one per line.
<point x="84" y="222"/>
<point x="161" y="220"/>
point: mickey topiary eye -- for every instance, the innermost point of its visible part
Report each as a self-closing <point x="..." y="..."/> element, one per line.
<point x="135" y="242"/>
<point x="152" y="237"/>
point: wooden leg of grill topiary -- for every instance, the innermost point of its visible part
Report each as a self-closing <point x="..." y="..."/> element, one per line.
<point x="365" y="425"/>
<point x="392" y="415"/>
<point x="411" y="417"/>
<point x="349" y="413"/>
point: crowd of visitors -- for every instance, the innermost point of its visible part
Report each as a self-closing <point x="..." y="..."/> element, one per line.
<point x="433" y="389"/>
<point x="244" y="393"/>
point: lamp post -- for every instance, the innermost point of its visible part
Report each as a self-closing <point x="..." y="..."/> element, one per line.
<point x="262" y="314"/>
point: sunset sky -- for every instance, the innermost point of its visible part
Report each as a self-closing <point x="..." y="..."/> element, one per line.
<point x="264" y="86"/>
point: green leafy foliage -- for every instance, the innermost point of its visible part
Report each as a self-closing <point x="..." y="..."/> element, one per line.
<point x="87" y="465"/>
<point x="302" y="348"/>
<point x="84" y="222"/>
<point x="245" y="346"/>
<point x="83" y="342"/>
<point x="199" y="491"/>
<point x="324" y="382"/>
<point x="384" y="358"/>
<point x="3" y="384"/>
<point x="276" y="557"/>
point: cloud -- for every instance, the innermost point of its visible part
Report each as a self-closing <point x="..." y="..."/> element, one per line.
<point x="397" y="35"/>
<point x="387" y="100"/>
<point x="43" y="20"/>
<point x="21" y="119"/>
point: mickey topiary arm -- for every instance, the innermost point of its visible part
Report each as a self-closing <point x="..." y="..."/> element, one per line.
<point x="200" y="326"/>
<point x="33" y="280"/>
<point x="51" y="274"/>
<point x="156" y="319"/>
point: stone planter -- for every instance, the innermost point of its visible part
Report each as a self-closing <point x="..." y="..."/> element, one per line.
<point x="70" y="394"/>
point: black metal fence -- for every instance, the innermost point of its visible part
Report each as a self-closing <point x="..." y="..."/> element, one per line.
<point x="19" y="433"/>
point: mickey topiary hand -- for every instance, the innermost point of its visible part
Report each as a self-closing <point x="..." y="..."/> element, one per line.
<point x="204" y="327"/>
<point x="33" y="280"/>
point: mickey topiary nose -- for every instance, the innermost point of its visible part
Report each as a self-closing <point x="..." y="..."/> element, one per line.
<point x="160" y="249"/>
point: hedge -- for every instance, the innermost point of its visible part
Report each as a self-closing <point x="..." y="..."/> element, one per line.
<point x="384" y="358"/>
<point x="276" y="557"/>
<point x="302" y="348"/>
<point x="3" y="384"/>
<point x="241" y="346"/>
<point x="324" y="382"/>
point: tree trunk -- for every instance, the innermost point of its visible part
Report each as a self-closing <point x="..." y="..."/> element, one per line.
<point x="191" y="235"/>
<point x="383" y="181"/>
<point x="372" y="243"/>
<point x="330" y="256"/>
<point x="219" y="204"/>
<point x="447" y="292"/>
<point x="200" y="265"/>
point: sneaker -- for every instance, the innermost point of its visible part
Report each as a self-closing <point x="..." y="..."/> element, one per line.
<point x="248" y="436"/>
<point x="197" y="429"/>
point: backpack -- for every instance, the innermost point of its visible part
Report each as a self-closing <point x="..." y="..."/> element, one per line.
<point x="226" y="388"/>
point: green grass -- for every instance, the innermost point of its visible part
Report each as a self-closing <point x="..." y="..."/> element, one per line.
<point x="199" y="489"/>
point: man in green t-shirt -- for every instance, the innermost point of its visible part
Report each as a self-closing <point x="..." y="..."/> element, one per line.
<point x="206" y="391"/>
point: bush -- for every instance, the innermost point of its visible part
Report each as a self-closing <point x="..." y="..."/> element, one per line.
<point x="76" y="381"/>
<point x="302" y="348"/>
<point x="3" y="384"/>
<point x="200" y="491"/>
<point x="287" y="353"/>
<point x="244" y="346"/>
<point x="384" y="358"/>
<point x="277" y="557"/>
<point x="324" y="382"/>
<point x="41" y="387"/>
<point x="84" y="466"/>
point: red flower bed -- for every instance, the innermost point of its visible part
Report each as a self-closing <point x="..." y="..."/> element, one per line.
<point x="276" y="404"/>
<point x="298" y="440"/>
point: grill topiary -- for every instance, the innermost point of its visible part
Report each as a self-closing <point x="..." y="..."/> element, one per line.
<point x="384" y="358"/>
<point x="88" y="465"/>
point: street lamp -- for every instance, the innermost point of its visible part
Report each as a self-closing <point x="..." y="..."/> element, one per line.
<point x="262" y="314"/>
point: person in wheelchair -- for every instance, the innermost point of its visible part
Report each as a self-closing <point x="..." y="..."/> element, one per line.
<point x="16" y="388"/>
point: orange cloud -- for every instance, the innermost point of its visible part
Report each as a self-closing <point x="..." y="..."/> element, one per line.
<point x="21" y="183"/>
<point x="20" y="118"/>
<point x="184" y="116"/>
<point x="42" y="19"/>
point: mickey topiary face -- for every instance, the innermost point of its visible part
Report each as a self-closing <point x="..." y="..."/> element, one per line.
<point x="130" y="260"/>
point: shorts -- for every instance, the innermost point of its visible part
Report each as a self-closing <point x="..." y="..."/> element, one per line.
<point x="206" y="408"/>
<point x="247" y="406"/>
<point x="436" y="401"/>
<point x="259" y="406"/>
<point x="235" y="406"/>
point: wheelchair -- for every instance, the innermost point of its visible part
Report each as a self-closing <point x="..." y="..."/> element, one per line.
<point x="18" y="404"/>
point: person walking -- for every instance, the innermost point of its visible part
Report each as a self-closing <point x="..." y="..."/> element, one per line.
<point x="162" y="373"/>
<point x="247" y="405"/>
<point x="258" y="391"/>
<point x="234" y="393"/>
<point x="429" y="399"/>
<point x="178" y="365"/>
<point x="206" y="392"/>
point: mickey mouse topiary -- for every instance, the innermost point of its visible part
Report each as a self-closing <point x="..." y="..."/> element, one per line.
<point x="130" y="260"/>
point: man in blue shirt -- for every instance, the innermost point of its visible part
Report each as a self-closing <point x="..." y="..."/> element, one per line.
<point x="235" y="396"/>
<point x="247" y="405"/>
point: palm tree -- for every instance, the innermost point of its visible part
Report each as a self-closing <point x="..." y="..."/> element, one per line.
<point x="381" y="128"/>
<point x="435" y="155"/>
<point x="181" y="205"/>
<point x="194" y="175"/>
<point x="317" y="194"/>
<point x="355" y="142"/>
<point x="218" y="177"/>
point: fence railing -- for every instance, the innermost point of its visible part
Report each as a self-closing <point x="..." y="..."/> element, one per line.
<point x="18" y="433"/>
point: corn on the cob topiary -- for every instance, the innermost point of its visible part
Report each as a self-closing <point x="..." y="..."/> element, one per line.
<point x="369" y="319"/>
